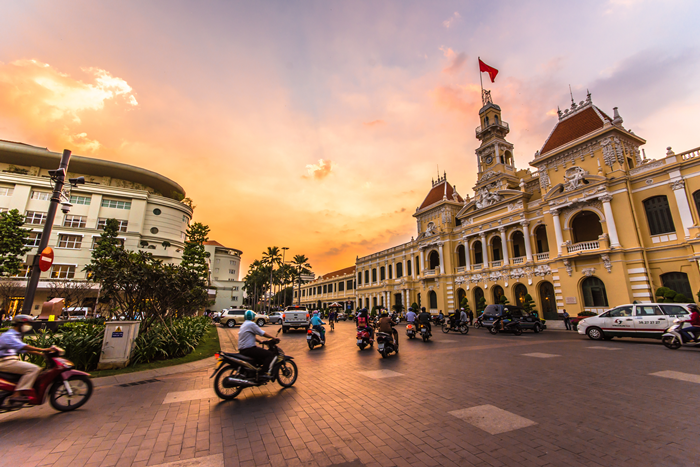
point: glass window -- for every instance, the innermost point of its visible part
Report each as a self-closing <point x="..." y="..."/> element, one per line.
<point x="113" y="203"/>
<point x="367" y="276"/>
<point x="33" y="239"/>
<point x="349" y="283"/>
<point x="77" y="199"/>
<point x="594" y="292"/>
<point x="374" y="275"/>
<point x="6" y="191"/>
<point x="74" y="221"/>
<point x="157" y="212"/>
<point x="24" y="271"/>
<point x="62" y="271"/>
<point x="35" y="218"/>
<point x="391" y="272"/>
<point x="399" y="269"/>
<point x="101" y="223"/>
<point x="69" y="241"/>
<point x="41" y="195"/>
<point x="620" y="312"/>
<point x="674" y="310"/>
<point x="120" y="241"/>
<point x="341" y="287"/>
<point x="678" y="282"/>
<point x="382" y="273"/>
<point x="659" y="215"/>
<point x="648" y="310"/>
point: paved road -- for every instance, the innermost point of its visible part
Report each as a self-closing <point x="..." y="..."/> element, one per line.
<point x="555" y="398"/>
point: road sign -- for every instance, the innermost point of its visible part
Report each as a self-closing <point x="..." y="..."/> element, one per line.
<point x="46" y="259"/>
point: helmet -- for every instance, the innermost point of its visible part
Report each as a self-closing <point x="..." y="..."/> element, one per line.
<point x="315" y="312"/>
<point x="385" y="313"/>
<point x="410" y="309"/>
<point x="249" y="315"/>
<point x="18" y="319"/>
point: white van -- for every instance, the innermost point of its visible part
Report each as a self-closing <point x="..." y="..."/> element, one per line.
<point x="74" y="313"/>
<point x="634" y="320"/>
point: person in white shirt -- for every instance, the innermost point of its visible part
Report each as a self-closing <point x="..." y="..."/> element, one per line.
<point x="410" y="316"/>
<point x="247" y="340"/>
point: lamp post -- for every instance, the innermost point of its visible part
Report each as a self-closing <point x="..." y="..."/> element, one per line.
<point x="58" y="177"/>
<point x="284" y="278"/>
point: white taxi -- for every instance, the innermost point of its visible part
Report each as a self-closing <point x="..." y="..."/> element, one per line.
<point x="635" y="320"/>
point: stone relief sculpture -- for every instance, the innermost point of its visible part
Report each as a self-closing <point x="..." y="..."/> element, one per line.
<point x="606" y="262"/>
<point x="542" y="270"/>
<point x="573" y="178"/>
<point x="569" y="268"/>
<point x="430" y="230"/>
<point x="486" y="198"/>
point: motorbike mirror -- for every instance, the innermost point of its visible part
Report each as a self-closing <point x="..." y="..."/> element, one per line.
<point x="278" y="331"/>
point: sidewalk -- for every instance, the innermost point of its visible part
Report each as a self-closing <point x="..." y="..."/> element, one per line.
<point x="227" y="339"/>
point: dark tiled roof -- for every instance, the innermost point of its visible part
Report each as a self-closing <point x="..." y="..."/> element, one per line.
<point x="213" y="242"/>
<point x="571" y="128"/>
<point x="339" y="272"/>
<point x="438" y="192"/>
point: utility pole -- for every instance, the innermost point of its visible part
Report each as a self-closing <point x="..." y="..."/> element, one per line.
<point x="59" y="178"/>
<point x="284" y="276"/>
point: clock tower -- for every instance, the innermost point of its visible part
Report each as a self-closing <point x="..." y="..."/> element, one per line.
<point x="495" y="155"/>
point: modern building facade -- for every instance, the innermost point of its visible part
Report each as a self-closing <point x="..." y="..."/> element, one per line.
<point x="596" y="224"/>
<point x="224" y="270"/>
<point x="337" y="286"/>
<point x="149" y="207"/>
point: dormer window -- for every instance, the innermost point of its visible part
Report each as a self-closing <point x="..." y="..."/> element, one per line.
<point x="495" y="118"/>
<point x="486" y="121"/>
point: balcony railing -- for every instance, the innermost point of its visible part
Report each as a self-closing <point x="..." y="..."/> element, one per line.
<point x="429" y="272"/>
<point x="583" y="246"/>
<point x="496" y="264"/>
<point x="478" y="266"/>
<point x="689" y="154"/>
<point x="461" y="269"/>
<point x="519" y="260"/>
<point x="542" y="256"/>
<point x="502" y="124"/>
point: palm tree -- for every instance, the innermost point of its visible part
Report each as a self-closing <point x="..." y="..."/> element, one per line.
<point x="300" y="264"/>
<point x="271" y="257"/>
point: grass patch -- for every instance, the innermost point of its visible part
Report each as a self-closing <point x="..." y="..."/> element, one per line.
<point x="207" y="347"/>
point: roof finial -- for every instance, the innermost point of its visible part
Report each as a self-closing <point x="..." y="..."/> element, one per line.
<point x="588" y="96"/>
<point x="573" y="104"/>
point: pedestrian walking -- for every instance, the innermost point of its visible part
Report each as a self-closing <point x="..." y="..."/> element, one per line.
<point x="471" y="317"/>
<point x="567" y="321"/>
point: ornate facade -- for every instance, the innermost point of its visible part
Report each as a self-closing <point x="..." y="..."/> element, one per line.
<point x="596" y="224"/>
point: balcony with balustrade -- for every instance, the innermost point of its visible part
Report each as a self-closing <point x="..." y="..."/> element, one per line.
<point x="519" y="260"/>
<point x="499" y="124"/>
<point x="430" y="272"/>
<point x="583" y="246"/>
<point x="496" y="264"/>
<point x="542" y="256"/>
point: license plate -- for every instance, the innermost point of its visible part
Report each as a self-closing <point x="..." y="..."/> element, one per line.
<point x="423" y="331"/>
<point x="359" y="341"/>
<point x="381" y="347"/>
<point x="308" y="338"/>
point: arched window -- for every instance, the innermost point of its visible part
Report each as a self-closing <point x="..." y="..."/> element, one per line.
<point x="659" y="215"/>
<point x="541" y="239"/>
<point x="408" y="267"/>
<point x="547" y="301"/>
<point x="497" y="293"/>
<point x="434" y="260"/>
<point x="461" y="258"/>
<point x="367" y="276"/>
<point x="696" y="198"/>
<point x="359" y="278"/>
<point x="382" y="273"/>
<point x="495" y="118"/>
<point x="391" y="272"/>
<point x="432" y="296"/>
<point x="520" y="291"/>
<point x="478" y="295"/>
<point x="399" y="270"/>
<point x="586" y="227"/>
<point x="460" y="295"/>
<point x="486" y="122"/>
<point x="374" y="275"/>
<point x="594" y="292"/>
<point x="478" y="254"/>
<point x="678" y="282"/>
<point x="496" y="249"/>
<point x="518" y="242"/>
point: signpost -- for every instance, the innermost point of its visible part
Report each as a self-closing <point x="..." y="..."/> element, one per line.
<point x="46" y="259"/>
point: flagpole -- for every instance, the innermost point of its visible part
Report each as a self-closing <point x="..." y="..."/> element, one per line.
<point x="481" y="82"/>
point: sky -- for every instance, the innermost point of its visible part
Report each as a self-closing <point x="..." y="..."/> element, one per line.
<point x="318" y="126"/>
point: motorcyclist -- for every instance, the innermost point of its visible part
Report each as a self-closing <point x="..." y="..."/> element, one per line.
<point x="410" y="316"/>
<point x="317" y="324"/>
<point x="247" y="339"/>
<point x="454" y="320"/>
<point x="10" y="345"/>
<point x="440" y="317"/>
<point x="695" y="324"/>
<point x="363" y="322"/>
<point x="463" y="317"/>
<point x="386" y="324"/>
<point x="424" y="318"/>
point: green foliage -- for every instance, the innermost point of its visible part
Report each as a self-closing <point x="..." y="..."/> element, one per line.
<point x="481" y="305"/>
<point x="680" y="298"/>
<point x="194" y="257"/>
<point x="415" y="307"/>
<point x="529" y="304"/>
<point x="464" y="303"/>
<point x="588" y="313"/>
<point x="12" y="240"/>
<point x="666" y="295"/>
<point x="397" y="308"/>
<point x="175" y="339"/>
<point x="81" y="341"/>
<point x="504" y="300"/>
<point x="374" y="311"/>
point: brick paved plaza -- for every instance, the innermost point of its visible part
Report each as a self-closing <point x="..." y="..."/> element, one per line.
<point x="556" y="398"/>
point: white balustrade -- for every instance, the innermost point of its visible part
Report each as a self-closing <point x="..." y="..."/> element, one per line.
<point x="478" y="266"/>
<point x="583" y="246"/>
<point x="460" y="269"/>
<point x="519" y="260"/>
<point x="542" y="256"/>
<point x="429" y="272"/>
<point x="496" y="264"/>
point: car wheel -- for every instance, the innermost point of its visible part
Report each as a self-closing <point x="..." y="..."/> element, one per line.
<point x="594" y="333"/>
<point x="537" y="328"/>
<point x="261" y="322"/>
<point x="230" y="323"/>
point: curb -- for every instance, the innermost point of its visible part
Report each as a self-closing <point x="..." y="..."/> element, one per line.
<point x="150" y="374"/>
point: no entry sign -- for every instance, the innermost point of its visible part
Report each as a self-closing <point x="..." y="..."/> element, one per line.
<point x="46" y="259"/>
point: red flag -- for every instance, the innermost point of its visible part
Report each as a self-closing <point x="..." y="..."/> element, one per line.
<point x="490" y="70"/>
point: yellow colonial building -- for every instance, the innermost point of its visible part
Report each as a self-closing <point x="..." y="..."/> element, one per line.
<point x="595" y="224"/>
<point x="334" y="287"/>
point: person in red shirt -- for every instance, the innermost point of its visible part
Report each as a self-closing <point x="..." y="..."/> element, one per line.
<point x="694" y="321"/>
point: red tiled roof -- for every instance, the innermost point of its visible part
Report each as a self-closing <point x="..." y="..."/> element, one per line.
<point x="339" y="272"/>
<point x="580" y="124"/>
<point x="438" y="192"/>
<point x="213" y="242"/>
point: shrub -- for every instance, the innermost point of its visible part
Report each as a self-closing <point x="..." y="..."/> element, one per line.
<point x="81" y="341"/>
<point x="588" y="313"/>
<point x="177" y="339"/>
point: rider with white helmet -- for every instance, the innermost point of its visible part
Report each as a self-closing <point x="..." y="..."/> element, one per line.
<point x="247" y="339"/>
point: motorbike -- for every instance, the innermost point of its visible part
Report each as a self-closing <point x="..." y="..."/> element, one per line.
<point x="424" y="332"/>
<point x="386" y="345"/>
<point x="438" y="321"/>
<point x="479" y="322"/>
<point x="673" y="339"/>
<point x="462" y="328"/>
<point x="234" y="372"/>
<point x="66" y="388"/>
<point x="509" y="326"/>
<point x="411" y="330"/>
<point x="364" y="338"/>
<point x="314" y="338"/>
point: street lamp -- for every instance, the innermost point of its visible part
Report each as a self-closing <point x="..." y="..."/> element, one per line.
<point x="284" y="251"/>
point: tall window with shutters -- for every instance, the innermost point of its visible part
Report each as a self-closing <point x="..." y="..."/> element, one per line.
<point x="659" y="215"/>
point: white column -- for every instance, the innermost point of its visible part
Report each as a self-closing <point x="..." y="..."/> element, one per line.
<point x="528" y="246"/>
<point x="403" y="268"/>
<point x="557" y="229"/>
<point x="442" y="260"/>
<point x="421" y="265"/>
<point x="504" y="244"/>
<point x="610" y="220"/>
<point x="678" y="188"/>
<point x="467" y="259"/>
<point x="484" y="250"/>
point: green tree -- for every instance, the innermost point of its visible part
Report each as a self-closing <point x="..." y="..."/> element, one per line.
<point x="529" y="304"/>
<point x="481" y="305"/>
<point x="12" y="242"/>
<point x="194" y="257"/>
<point x="503" y="300"/>
<point x="464" y="303"/>
<point x="415" y="307"/>
<point x="300" y="266"/>
<point x="271" y="257"/>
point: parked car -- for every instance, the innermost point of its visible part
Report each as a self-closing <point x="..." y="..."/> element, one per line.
<point x="527" y="320"/>
<point x="231" y="318"/>
<point x="295" y="317"/>
<point x="633" y="320"/>
<point x="341" y="316"/>
<point x="275" y="317"/>
<point x="74" y="313"/>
